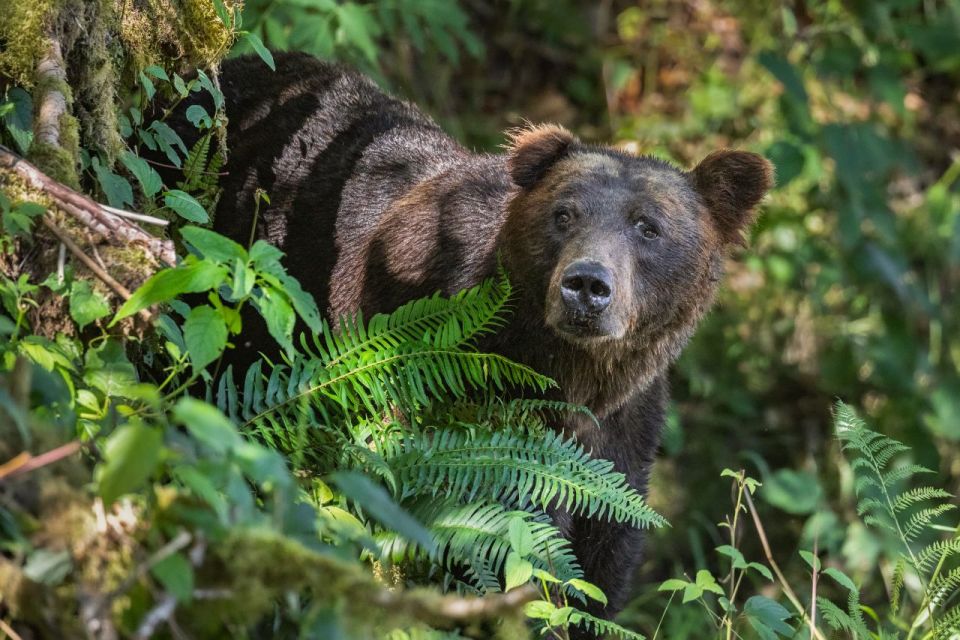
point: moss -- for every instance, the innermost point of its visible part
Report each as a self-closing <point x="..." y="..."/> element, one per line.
<point x="22" y="31"/>
<point x="187" y="32"/>
<point x="56" y="162"/>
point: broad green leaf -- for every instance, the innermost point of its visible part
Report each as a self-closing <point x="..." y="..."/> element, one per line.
<point x="739" y="562"/>
<point x="796" y="492"/>
<point x="539" y="609"/>
<point x="377" y="503"/>
<point x="157" y="72"/>
<point x="198" y="117"/>
<point x="213" y="245"/>
<point x="205" y="334"/>
<point x="148" y="178"/>
<point x="279" y="316"/>
<point x="516" y="571"/>
<point x="707" y="582"/>
<point x="185" y="205"/>
<point x="117" y="189"/>
<point x="175" y="573"/>
<point x="86" y="305"/>
<point x="589" y="589"/>
<point x="207" y="424"/>
<point x="190" y="277"/>
<point x="521" y="539"/>
<point x="108" y="370"/>
<point x="48" y="567"/>
<point x="131" y="455"/>
<point x="673" y="584"/>
<point x="767" y="618"/>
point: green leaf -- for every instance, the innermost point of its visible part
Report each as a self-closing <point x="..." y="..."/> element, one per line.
<point x="131" y="455"/>
<point x="842" y="578"/>
<point x="198" y="117"/>
<point x="175" y="573"/>
<point x="767" y="617"/>
<point x="812" y="560"/>
<point x="707" y="582"/>
<point x="148" y="178"/>
<point x="213" y="245"/>
<point x="517" y="571"/>
<point x="207" y="424"/>
<point x="739" y="562"/>
<point x="117" y="188"/>
<point x="48" y="567"/>
<point x="108" y="370"/>
<point x="302" y="301"/>
<point x="589" y="589"/>
<point x="786" y="73"/>
<point x="279" y="316"/>
<point x="673" y="584"/>
<point x="254" y="41"/>
<point x="86" y="305"/>
<point x="796" y="492"/>
<point x="521" y="539"/>
<point x="376" y="502"/>
<point x="539" y="609"/>
<point x="205" y="334"/>
<point x="157" y="72"/>
<point x="147" y="85"/>
<point x="165" y="285"/>
<point x="358" y="28"/>
<point x="167" y="139"/>
<point x="186" y="206"/>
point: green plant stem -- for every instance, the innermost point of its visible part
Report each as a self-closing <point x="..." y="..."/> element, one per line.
<point x="734" y="584"/>
<point x="787" y="589"/>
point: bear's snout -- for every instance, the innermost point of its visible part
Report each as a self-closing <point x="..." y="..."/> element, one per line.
<point x="586" y="288"/>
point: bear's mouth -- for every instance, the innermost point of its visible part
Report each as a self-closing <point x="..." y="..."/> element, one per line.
<point x="578" y="329"/>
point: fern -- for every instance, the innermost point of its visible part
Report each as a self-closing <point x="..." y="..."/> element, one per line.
<point x="910" y="514"/>
<point x="601" y="627"/>
<point x="542" y="472"/>
<point x="887" y="510"/>
<point x="196" y="163"/>
<point x="475" y="536"/>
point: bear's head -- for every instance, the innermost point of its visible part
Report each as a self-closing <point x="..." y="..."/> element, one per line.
<point x="623" y="252"/>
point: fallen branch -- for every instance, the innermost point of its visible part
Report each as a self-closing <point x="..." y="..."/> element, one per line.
<point x="116" y="229"/>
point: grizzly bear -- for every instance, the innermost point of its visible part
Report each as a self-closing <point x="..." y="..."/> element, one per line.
<point x="615" y="258"/>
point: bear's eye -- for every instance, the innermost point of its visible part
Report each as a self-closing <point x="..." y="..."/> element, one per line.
<point x="647" y="229"/>
<point x="562" y="216"/>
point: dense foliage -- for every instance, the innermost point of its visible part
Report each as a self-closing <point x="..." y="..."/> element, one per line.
<point x="379" y="465"/>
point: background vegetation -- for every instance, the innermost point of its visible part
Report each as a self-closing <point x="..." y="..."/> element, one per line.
<point x="848" y="288"/>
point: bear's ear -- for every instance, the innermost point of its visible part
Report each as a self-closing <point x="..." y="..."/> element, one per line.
<point x="533" y="150"/>
<point x="731" y="184"/>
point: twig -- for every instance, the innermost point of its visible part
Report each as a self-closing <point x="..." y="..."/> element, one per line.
<point x="787" y="589"/>
<point x="114" y="228"/>
<point x="140" y="217"/>
<point x="7" y="629"/>
<point x="89" y="263"/>
<point x="25" y="463"/>
<point x="180" y="541"/>
<point x="61" y="262"/>
<point x="156" y="616"/>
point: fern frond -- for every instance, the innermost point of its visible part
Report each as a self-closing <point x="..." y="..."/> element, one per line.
<point x="896" y="586"/>
<point x="548" y="470"/>
<point x="196" y="163"/>
<point x="944" y="585"/>
<point x="834" y="616"/>
<point x="601" y="627"/>
<point x="941" y="550"/>
<point x="475" y="536"/>
<point x="444" y="323"/>
<point x="920" y="521"/>
<point x="948" y="625"/>
<point x="912" y="497"/>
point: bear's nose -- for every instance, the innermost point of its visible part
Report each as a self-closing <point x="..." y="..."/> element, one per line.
<point x="586" y="287"/>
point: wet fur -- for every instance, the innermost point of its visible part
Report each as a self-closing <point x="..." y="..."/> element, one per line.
<point x="374" y="205"/>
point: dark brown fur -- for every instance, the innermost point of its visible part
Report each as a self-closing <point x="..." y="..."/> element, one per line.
<point x="374" y="205"/>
